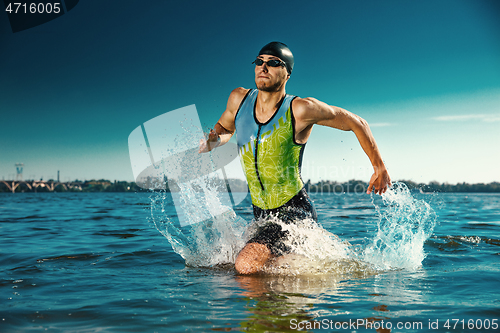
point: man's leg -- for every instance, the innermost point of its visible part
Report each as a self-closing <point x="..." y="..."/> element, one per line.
<point x="252" y="258"/>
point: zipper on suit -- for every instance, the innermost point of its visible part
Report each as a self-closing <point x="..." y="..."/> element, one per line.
<point x="256" y="154"/>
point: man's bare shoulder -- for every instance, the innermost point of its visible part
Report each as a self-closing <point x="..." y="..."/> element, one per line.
<point x="235" y="98"/>
<point x="307" y="104"/>
<point x="238" y="94"/>
<point x="240" y="91"/>
<point x="305" y="108"/>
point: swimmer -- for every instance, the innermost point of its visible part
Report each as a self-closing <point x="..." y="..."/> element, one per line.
<point x="272" y="129"/>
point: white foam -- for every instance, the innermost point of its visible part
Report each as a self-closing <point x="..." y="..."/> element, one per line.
<point x="404" y="223"/>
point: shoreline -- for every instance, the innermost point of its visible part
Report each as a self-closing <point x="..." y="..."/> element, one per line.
<point x="237" y="185"/>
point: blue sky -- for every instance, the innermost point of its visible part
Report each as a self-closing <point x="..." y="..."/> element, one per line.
<point x="424" y="74"/>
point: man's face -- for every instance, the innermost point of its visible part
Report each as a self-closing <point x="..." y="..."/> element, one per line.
<point x="269" y="78"/>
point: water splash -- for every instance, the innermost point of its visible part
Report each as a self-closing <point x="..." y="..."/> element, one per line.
<point x="214" y="241"/>
<point x="404" y="224"/>
<point x="314" y="250"/>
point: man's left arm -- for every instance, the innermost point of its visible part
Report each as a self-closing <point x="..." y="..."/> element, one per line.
<point x="311" y="111"/>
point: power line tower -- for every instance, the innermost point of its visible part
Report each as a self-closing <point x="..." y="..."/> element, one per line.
<point x="19" y="171"/>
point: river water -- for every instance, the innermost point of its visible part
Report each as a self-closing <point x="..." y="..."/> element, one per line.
<point x="105" y="262"/>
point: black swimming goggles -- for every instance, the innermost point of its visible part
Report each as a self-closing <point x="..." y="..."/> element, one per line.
<point x="270" y="63"/>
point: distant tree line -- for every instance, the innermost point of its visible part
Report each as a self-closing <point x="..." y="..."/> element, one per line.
<point x="104" y="185"/>
<point x="358" y="186"/>
<point x="237" y="185"/>
<point x="459" y="187"/>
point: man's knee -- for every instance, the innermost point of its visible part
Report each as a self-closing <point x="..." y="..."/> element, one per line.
<point x="252" y="258"/>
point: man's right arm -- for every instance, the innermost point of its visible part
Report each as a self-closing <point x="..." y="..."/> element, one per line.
<point x="225" y="127"/>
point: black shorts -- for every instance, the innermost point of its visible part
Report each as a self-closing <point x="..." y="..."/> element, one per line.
<point x="271" y="234"/>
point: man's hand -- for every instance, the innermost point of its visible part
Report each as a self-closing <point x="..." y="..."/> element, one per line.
<point x="210" y="143"/>
<point x="380" y="180"/>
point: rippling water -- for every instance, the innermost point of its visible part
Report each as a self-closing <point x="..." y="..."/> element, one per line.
<point x="88" y="262"/>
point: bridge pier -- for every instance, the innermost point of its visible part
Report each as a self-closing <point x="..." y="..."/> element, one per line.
<point x="33" y="185"/>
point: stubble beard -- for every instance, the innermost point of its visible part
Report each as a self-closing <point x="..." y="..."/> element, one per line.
<point x="272" y="88"/>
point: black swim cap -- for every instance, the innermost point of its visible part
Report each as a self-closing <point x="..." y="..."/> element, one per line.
<point x="281" y="51"/>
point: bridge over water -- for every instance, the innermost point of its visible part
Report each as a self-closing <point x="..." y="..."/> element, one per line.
<point x="33" y="185"/>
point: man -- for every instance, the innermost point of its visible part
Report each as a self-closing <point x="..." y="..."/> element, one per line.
<point x="272" y="129"/>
